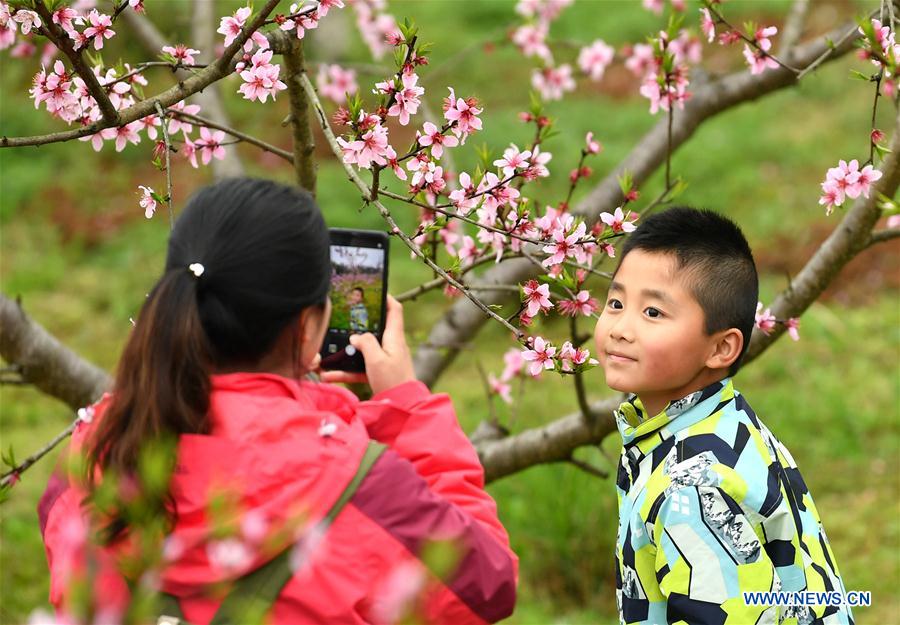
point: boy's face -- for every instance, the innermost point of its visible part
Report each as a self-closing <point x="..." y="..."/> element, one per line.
<point x="355" y="297"/>
<point x="650" y="336"/>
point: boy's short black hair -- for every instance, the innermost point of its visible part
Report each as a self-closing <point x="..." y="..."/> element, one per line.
<point x="716" y="261"/>
<point x="360" y="289"/>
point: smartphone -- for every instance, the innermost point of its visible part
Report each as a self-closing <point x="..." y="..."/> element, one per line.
<point x="359" y="273"/>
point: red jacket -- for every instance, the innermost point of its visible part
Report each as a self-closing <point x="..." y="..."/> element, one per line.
<point x="289" y="449"/>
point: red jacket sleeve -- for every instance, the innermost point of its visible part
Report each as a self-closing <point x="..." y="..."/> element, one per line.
<point x="422" y="427"/>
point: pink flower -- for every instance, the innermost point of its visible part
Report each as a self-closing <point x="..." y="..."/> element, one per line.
<point x="538" y="166"/>
<point x="406" y="100"/>
<point x="793" y="328"/>
<point x="653" y="5"/>
<point x="66" y="17"/>
<point x="765" y="320"/>
<point x="27" y="19"/>
<point x="531" y="40"/>
<point x="261" y="80"/>
<point x="707" y="25"/>
<point x="127" y="134"/>
<point x="433" y="136"/>
<point x="686" y="48"/>
<point x="541" y="357"/>
<point x="591" y="146"/>
<point x="497" y="194"/>
<point x="147" y="202"/>
<point x="189" y="151"/>
<point x="832" y="196"/>
<point x="552" y="82"/>
<point x="537" y="297"/>
<point x="757" y="60"/>
<point x="210" y="144"/>
<point x="512" y="160"/>
<point x="460" y="198"/>
<point x="595" y="58"/>
<point x="893" y="221"/>
<point x="570" y="357"/>
<point x="468" y="252"/>
<point x="150" y="123"/>
<point x="619" y="222"/>
<point x="463" y="114"/>
<point x="335" y="83"/>
<point x="182" y="53"/>
<point x="231" y="26"/>
<point x="500" y="387"/>
<point x="863" y="184"/>
<point x="513" y="363"/>
<point x="176" y="124"/>
<point x="370" y="147"/>
<point x="640" y="61"/>
<point x="100" y="28"/>
<point x="762" y="37"/>
<point x="583" y="304"/>
<point x="565" y="246"/>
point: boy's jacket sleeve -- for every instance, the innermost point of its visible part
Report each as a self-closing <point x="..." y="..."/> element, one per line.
<point x="707" y="555"/>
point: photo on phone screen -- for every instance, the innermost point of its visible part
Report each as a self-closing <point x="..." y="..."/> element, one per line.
<point x="358" y="294"/>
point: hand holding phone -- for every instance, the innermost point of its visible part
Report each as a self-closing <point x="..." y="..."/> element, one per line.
<point x="388" y="363"/>
<point x="359" y="262"/>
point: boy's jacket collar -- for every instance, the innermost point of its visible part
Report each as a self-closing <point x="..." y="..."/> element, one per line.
<point x="635" y="424"/>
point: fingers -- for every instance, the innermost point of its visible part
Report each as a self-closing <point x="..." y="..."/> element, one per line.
<point x="393" y="327"/>
<point x="367" y="344"/>
<point x="343" y="377"/>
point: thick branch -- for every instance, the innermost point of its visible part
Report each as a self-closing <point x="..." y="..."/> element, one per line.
<point x="45" y="362"/>
<point x="850" y="238"/>
<point x="553" y="442"/>
<point x="461" y="321"/>
<point x="304" y="144"/>
<point x="167" y="98"/>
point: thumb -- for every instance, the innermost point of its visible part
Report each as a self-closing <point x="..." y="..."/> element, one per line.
<point x="366" y="343"/>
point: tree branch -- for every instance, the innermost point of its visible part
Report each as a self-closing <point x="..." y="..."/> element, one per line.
<point x="45" y="362"/>
<point x="371" y="195"/>
<point x="167" y="98"/>
<point x="60" y="38"/>
<point x="209" y="123"/>
<point x="553" y="442"/>
<point x="461" y="322"/>
<point x="852" y="236"/>
<point x="881" y="236"/>
<point x="304" y="144"/>
<point x="209" y="99"/>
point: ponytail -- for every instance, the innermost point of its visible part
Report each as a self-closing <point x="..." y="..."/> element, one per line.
<point x="245" y="257"/>
<point x="162" y="385"/>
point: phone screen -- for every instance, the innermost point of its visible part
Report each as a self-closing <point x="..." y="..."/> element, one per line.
<point x="358" y="294"/>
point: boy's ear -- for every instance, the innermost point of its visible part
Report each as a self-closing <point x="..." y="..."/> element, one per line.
<point x="727" y="346"/>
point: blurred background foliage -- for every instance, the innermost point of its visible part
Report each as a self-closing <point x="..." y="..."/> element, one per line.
<point x="78" y="251"/>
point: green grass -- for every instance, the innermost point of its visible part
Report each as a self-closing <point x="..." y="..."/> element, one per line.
<point x="77" y="249"/>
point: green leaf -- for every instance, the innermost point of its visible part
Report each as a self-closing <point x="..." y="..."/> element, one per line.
<point x="537" y="106"/>
<point x="678" y="189"/>
<point x="9" y="458"/>
<point x="625" y="182"/>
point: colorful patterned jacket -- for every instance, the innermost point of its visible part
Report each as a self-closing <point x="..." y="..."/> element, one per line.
<point x="286" y="450"/>
<point x="711" y="505"/>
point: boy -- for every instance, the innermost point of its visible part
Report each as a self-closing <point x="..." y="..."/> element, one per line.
<point x="711" y="504"/>
<point x="359" y="316"/>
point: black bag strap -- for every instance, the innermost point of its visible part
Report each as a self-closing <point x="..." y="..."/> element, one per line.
<point x="254" y="594"/>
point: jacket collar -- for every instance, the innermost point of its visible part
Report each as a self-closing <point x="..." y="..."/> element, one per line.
<point x="635" y="424"/>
